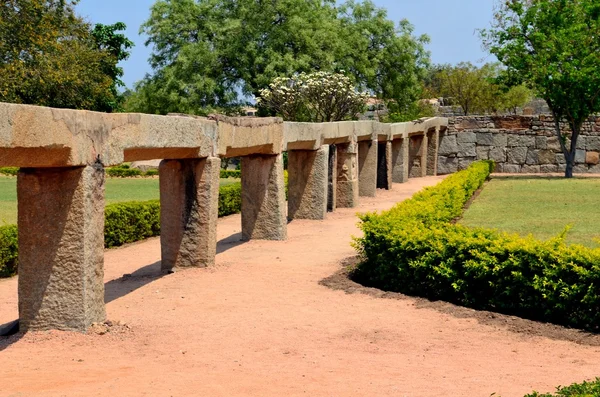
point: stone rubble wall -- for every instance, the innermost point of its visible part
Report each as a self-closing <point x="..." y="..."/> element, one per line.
<point x="518" y="144"/>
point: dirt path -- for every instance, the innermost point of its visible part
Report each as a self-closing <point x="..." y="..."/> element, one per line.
<point x="260" y="324"/>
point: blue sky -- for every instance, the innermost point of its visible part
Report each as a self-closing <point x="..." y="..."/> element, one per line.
<point x="451" y="25"/>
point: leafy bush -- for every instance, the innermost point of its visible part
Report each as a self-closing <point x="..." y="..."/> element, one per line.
<point x="415" y="248"/>
<point x="123" y="171"/>
<point x="8" y="250"/>
<point x="131" y="221"/>
<point x="11" y="171"/>
<point x="230" y="199"/>
<point x="151" y="172"/>
<point x="237" y="174"/>
<point x="585" y="389"/>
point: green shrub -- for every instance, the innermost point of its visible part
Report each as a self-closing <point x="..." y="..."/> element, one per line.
<point x="131" y="221"/>
<point x="123" y="223"/>
<point x="415" y="249"/>
<point x="11" y="171"/>
<point x="151" y="172"/>
<point x="585" y="389"/>
<point x="123" y="171"/>
<point x="8" y="250"/>
<point x="237" y="174"/>
<point x="230" y="199"/>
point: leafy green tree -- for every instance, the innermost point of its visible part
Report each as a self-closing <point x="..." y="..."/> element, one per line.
<point x="553" y="47"/>
<point x="516" y="97"/>
<point x="206" y="52"/>
<point x="465" y="85"/>
<point x="49" y="57"/>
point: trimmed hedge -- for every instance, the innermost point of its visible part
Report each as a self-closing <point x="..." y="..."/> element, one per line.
<point x="585" y="389"/>
<point x="416" y="249"/>
<point x="123" y="171"/>
<point x="124" y="223"/>
<point x="237" y="174"/>
<point x="10" y="171"/>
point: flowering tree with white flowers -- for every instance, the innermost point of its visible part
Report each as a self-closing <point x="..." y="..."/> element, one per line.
<point x="315" y="97"/>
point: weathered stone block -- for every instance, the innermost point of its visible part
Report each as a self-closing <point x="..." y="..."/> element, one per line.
<point x="516" y="155"/>
<point x="521" y="140"/>
<point x="546" y="157"/>
<point x="498" y="154"/>
<point x="541" y="142"/>
<point x="592" y="158"/>
<point x="189" y="208"/>
<point x="581" y="142"/>
<point x="448" y="145"/>
<point x="433" y="139"/>
<point x="485" y="138"/>
<point x="483" y="152"/>
<point x="592" y="143"/>
<point x="466" y="137"/>
<point x="512" y="168"/>
<point x="530" y="169"/>
<point x="447" y="165"/>
<point x="532" y="157"/>
<point x="548" y="168"/>
<point x="553" y="144"/>
<point x="61" y="248"/>
<point x="307" y="183"/>
<point x="580" y="169"/>
<point x="367" y="168"/>
<point x="467" y="150"/>
<point x="500" y="140"/>
<point x="465" y="162"/>
<point x="580" y="156"/>
<point x="263" y="198"/>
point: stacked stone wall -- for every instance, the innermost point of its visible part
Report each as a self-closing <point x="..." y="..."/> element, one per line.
<point x="518" y="144"/>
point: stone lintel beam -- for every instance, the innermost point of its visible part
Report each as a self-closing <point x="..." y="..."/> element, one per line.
<point x="303" y="136"/>
<point x="263" y="198"/>
<point x="61" y="248"/>
<point x="39" y="137"/>
<point x="400" y="158"/>
<point x="245" y="136"/>
<point x="189" y="208"/>
<point x="367" y="167"/>
<point x="308" y="183"/>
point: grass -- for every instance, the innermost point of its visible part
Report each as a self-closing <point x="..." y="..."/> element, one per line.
<point x="117" y="189"/>
<point x="539" y="206"/>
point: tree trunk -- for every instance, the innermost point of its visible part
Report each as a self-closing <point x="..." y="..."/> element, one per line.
<point x="569" y="169"/>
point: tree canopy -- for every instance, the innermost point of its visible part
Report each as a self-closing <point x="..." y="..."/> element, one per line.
<point x="554" y="47"/>
<point x="208" y="52"/>
<point x="49" y="56"/>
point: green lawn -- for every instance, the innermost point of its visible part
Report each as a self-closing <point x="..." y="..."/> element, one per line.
<point x="117" y="189"/>
<point x="539" y="206"/>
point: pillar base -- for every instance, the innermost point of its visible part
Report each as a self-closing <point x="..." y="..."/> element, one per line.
<point x="308" y="183"/>
<point x="367" y="168"/>
<point x="347" y="176"/>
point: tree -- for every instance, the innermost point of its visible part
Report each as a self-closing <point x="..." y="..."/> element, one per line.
<point x="50" y="57"/>
<point x="553" y="46"/>
<point x="516" y="97"/>
<point x="316" y="97"/>
<point x="207" y="52"/>
<point x="465" y="84"/>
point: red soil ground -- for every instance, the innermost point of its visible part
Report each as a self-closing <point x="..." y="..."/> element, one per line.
<point x="260" y="324"/>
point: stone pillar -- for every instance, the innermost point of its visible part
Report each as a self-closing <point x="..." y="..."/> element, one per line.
<point x="433" y="139"/>
<point x="347" y="175"/>
<point x="308" y="183"/>
<point x="61" y="247"/>
<point x="400" y="160"/>
<point x="367" y="168"/>
<point x="189" y="208"/>
<point x="263" y="198"/>
<point x="332" y="179"/>
<point x="424" y="154"/>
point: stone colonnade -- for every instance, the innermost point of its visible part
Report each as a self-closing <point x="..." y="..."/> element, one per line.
<point x="62" y="155"/>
